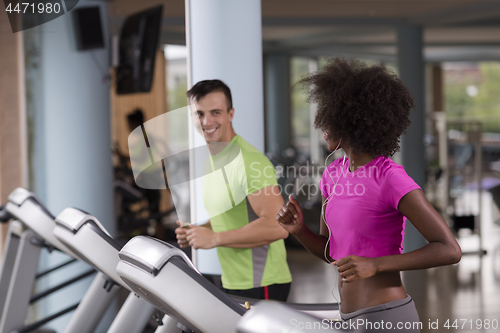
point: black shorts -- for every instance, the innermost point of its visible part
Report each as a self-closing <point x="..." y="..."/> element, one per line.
<point x="277" y="292"/>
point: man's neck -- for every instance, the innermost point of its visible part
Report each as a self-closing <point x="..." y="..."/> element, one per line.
<point x="232" y="134"/>
<point x="218" y="146"/>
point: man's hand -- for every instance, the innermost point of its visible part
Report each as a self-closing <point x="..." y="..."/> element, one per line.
<point x="201" y="238"/>
<point x="352" y="268"/>
<point x="181" y="234"/>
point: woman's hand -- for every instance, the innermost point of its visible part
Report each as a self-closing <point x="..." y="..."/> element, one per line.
<point x="352" y="268"/>
<point x="290" y="216"/>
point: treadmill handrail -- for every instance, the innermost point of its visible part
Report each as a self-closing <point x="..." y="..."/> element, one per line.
<point x="20" y="195"/>
<point x="151" y="254"/>
<point x="73" y="219"/>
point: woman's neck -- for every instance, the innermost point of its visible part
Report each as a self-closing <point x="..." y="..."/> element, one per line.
<point x="357" y="160"/>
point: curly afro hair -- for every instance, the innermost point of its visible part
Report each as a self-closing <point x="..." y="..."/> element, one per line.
<point x="367" y="106"/>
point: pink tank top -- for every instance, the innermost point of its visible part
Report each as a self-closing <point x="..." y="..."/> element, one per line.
<point x="362" y="213"/>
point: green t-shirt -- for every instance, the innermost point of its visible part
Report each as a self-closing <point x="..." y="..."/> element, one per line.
<point x="230" y="176"/>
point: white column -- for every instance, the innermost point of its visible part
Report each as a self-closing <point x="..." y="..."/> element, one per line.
<point x="77" y="136"/>
<point x="69" y="125"/>
<point x="224" y="40"/>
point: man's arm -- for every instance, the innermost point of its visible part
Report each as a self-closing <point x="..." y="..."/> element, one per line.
<point x="261" y="231"/>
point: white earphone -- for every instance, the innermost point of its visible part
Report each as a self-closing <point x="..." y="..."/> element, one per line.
<point x="323" y="210"/>
<point x="330" y="196"/>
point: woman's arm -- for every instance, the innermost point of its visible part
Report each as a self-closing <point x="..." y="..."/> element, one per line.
<point x="291" y="219"/>
<point x="442" y="248"/>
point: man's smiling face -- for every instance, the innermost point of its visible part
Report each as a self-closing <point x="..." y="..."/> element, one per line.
<point x="215" y="118"/>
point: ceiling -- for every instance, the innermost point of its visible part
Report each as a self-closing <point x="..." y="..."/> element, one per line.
<point x="454" y="30"/>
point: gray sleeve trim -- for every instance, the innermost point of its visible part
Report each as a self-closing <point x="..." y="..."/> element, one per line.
<point x="259" y="254"/>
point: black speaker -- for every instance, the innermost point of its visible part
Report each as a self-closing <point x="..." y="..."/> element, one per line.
<point x="464" y="222"/>
<point x="88" y="28"/>
<point x="138" y="43"/>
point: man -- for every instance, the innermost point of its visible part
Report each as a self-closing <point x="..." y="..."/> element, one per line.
<point x="249" y="242"/>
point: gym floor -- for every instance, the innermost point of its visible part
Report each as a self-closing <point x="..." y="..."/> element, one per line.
<point x="468" y="292"/>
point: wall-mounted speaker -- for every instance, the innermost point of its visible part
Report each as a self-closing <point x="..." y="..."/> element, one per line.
<point x="88" y="28"/>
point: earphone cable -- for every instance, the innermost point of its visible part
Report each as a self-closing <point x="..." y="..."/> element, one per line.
<point x="323" y="215"/>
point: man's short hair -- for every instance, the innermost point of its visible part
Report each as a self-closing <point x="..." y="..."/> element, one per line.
<point x="206" y="87"/>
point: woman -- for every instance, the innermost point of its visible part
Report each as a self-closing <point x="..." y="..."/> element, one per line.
<point x="367" y="197"/>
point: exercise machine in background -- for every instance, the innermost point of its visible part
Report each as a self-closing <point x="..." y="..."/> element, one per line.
<point x="30" y="232"/>
<point x="82" y="233"/>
